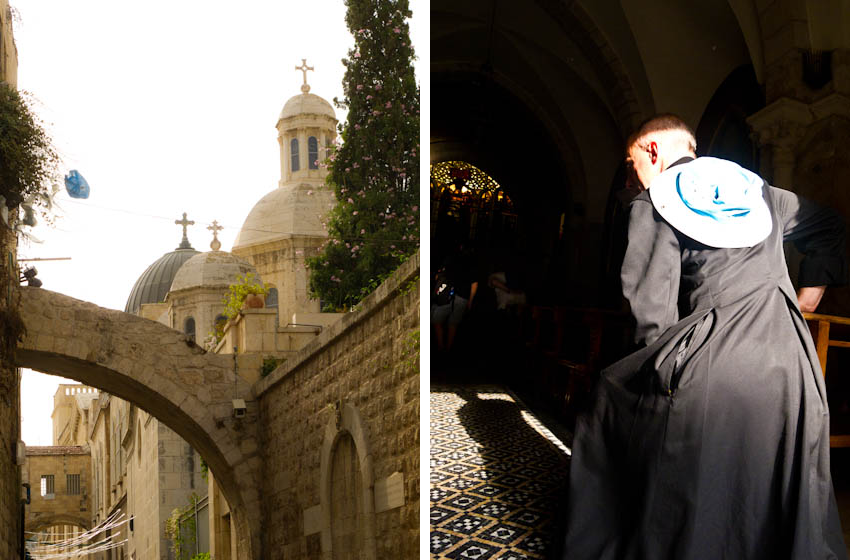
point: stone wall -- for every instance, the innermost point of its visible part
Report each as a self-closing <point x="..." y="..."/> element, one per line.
<point x="359" y="378"/>
<point x="10" y="488"/>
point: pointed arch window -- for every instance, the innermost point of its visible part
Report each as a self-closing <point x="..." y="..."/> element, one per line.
<point x="293" y="154"/>
<point x="313" y="152"/>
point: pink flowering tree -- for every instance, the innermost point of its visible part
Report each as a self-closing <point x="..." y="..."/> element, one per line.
<point x="375" y="170"/>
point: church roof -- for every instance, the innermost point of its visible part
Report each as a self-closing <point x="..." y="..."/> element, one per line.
<point x="211" y="269"/>
<point x="156" y="280"/>
<point x="307" y="103"/>
<point x="284" y="212"/>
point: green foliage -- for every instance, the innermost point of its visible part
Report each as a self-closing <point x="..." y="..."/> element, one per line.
<point x="236" y="294"/>
<point x="375" y="172"/>
<point x="205" y="470"/>
<point x="179" y="522"/>
<point x="410" y="349"/>
<point x="270" y="363"/>
<point x="201" y="556"/>
<point x="28" y="162"/>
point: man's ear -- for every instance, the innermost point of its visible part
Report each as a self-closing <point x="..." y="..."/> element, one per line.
<point x="653" y="152"/>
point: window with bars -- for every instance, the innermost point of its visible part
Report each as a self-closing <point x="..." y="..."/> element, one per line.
<point x="47" y="485"/>
<point x="73" y="484"/>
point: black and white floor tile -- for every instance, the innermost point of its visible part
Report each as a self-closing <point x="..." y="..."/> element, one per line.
<point x="497" y="477"/>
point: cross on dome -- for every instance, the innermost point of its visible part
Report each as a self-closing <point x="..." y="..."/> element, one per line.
<point x="184" y="244"/>
<point x="305" y="88"/>
<point x="215" y="245"/>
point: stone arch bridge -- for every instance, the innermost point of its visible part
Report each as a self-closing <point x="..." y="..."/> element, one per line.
<point x="162" y="372"/>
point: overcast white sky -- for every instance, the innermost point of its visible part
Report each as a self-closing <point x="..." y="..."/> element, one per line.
<point x="164" y="107"/>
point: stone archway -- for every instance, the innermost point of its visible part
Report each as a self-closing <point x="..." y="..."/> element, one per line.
<point x="162" y="372"/>
<point x="46" y="521"/>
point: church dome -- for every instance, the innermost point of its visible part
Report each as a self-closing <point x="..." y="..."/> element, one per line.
<point x="155" y="281"/>
<point x="297" y="209"/>
<point x="307" y="103"/>
<point x="211" y="269"/>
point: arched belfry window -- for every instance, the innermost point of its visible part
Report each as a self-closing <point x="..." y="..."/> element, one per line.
<point x="313" y="152"/>
<point x="189" y="328"/>
<point x="293" y="154"/>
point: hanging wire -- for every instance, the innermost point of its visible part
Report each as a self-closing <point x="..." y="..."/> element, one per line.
<point x="79" y="545"/>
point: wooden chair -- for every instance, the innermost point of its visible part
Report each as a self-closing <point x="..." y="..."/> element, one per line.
<point x="824" y="337"/>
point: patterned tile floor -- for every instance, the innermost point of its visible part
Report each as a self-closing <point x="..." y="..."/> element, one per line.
<point x="497" y="477"/>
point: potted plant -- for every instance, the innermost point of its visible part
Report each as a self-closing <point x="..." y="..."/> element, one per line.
<point x="248" y="292"/>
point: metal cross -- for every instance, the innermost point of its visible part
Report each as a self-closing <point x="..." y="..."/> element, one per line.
<point x="184" y="244"/>
<point x="305" y="88"/>
<point x="215" y="245"/>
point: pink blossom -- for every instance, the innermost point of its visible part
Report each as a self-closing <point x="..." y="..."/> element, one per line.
<point x="309" y="193"/>
<point x="415" y="208"/>
<point x="362" y="231"/>
<point x="396" y="30"/>
<point x="350" y="200"/>
<point x="356" y="127"/>
<point x="389" y="104"/>
<point x="354" y="213"/>
<point x="348" y="245"/>
<point x="378" y="87"/>
<point x="402" y="174"/>
<point x="359" y="87"/>
<point x="355" y="165"/>
<point x="357" y="54"/>
<point x="368" y="97"/>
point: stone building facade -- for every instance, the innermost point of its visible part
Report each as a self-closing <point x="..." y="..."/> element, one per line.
<point x="60" y="501"/>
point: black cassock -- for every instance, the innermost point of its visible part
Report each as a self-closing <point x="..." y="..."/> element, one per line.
<point x="712" y="441"/>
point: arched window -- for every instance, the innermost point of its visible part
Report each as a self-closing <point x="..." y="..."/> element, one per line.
<point x="313" y="152"/>
<point x="189" y="328"/>
<point x="271" y="298"/>
<point x="293" y="154"/>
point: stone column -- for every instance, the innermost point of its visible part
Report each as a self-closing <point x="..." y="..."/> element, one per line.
<point x="779" y="127"/>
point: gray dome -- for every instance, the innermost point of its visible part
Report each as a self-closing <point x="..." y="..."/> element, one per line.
<point x="155" y="282"/>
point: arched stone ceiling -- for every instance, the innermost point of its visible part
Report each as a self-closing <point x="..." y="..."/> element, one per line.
<point x="687" y="49"/>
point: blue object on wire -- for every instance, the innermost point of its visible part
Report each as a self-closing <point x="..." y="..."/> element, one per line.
<point x="76" y="185"/>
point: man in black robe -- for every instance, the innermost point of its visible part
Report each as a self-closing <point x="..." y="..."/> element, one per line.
<point x="712" y="440"/>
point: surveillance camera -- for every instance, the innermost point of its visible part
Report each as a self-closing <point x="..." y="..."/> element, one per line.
<point x="239" y="408"/>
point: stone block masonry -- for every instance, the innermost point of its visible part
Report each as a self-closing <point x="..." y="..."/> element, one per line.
<point x="340" y="426"/>
<point x="10" y="488"/>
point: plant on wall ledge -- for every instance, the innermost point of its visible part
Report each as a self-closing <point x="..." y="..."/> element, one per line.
<point x="29" y="164"/>
<point x="239" y="290"/>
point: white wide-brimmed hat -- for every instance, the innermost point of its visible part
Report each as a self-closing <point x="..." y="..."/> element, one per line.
<point x="714" y="201"/>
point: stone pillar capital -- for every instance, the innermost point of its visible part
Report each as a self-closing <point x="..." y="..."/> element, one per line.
<point x="782" y="124"/>
<point x="835" y="104"/>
